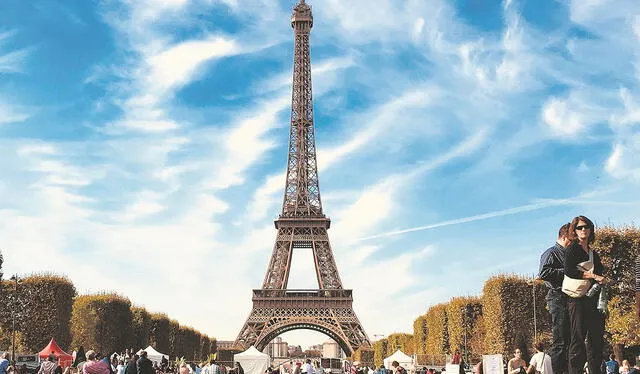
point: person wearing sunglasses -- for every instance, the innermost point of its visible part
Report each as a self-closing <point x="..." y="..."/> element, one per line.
<point x="582" y="263"/>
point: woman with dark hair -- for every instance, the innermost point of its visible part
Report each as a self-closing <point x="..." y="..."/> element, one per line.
<point x="583" y="265"/>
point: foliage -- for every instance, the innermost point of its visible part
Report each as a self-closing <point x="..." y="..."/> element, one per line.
<point x="41" y="305"/>
<point x="379" y="351"/>
<point x="401" y="341"/>
<point x="102" y="321"/>
<point x="438" y="336"/>
<point x="462" y="315"/>
<point x="174" y="337"/>
<point x="420" y="333"/>
<point x="508" y="314"/>
<point x="5" y="341"/>
<point x="618" y="249"/>
<point x="140" y="327"/>
<point x="213" y="343"/>
<point x="622" y="324"/>
<point x="160" y="332"/>
<point x="205" y="347"/>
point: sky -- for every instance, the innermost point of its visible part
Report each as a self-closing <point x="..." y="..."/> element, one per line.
<point x="143" y="144"/>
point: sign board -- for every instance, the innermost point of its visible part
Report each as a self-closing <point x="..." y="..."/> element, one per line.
<point x="492" y="364"/>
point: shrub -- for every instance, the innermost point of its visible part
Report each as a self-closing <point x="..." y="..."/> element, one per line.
<point x="462" y="317"/>
<point x="438" y="336"/>
<point x="507" y="303"/>
<point x="403" y="342"/>
<point x="379" y="351"/>
<point x="160" y="332"/>
<point x="140" y="327"/>
<point x="42" y="307"/>
<point x="174" y="338"/>
<point x="102" y="322"/>
<point x="420" y="334"/>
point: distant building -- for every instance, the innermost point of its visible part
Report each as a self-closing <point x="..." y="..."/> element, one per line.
<point x="331" y="349"/>
<point x="277" y="348"/>
<point x="225" y="344"/>
<point x="317" y="347"/>
<point x="295" y="350"/>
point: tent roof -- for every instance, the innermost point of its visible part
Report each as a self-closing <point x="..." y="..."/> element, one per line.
<point x="152" y="352"/>
<point x="54" y="348"/>
<point x="399" y="356"/>
<point x="252" y="352"/>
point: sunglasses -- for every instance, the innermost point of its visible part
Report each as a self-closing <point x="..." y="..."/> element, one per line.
<point x="582" y="227"/>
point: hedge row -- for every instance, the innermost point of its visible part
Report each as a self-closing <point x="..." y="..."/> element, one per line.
<point x="438" y="336"/>
<point x="503" y="317"/>
<point x="463" y="330"/>
<point x="42" y="306"/>
<point x="46" y="306"/>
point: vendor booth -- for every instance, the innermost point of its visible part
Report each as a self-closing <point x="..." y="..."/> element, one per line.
<point x="154" y="355"/>
<point x="404" y="360"/>
<point x="53" y="348"/>
<point x="253" y="361"/>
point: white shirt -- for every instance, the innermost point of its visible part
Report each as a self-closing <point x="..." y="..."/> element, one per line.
<point x="308" y="368"/>
<point x="542" y="362"/>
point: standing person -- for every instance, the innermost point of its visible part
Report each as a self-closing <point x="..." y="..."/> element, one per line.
<point x="132" y="366"/>
<point x="456" y="358"/>
<point x="552" y="273"/>
<point x="612" y="366"/>
<point x="308" y="368"/>
<point x="145" y="366"/>
<point x="4" y="363"/>
<point x="582" y="263"/>
<point x="540" y="362"/>
<point x="49" y="366"/>
<point x="516" y="365"/>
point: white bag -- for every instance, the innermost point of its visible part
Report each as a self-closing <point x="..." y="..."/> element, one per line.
<point x="578" y="287"/>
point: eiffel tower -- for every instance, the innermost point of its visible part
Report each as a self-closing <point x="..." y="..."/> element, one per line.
<point x="302" y="225"/>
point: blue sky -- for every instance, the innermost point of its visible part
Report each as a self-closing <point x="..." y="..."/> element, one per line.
<point x="144" y="144"/>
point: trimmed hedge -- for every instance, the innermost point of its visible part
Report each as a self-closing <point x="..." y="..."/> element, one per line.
<point x="401" y="341"/>
<point x="160" y="332"/>
<point x="205" y="347"/>
<point x="379" y="351"/>
<point x="420" y="333"/>
<point x="437" y="326"/>
<point x="462" y="316"/>
<point x="42" y="307"/>
<point x="174" y="338"/>
<point x="102" y="322"/>
<point x="618" y="249"/>
<point x="508" y="314"/>
<point x="140" y="327"/>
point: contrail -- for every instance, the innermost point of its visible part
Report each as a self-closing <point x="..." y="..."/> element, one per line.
<point x="499" y="213"/>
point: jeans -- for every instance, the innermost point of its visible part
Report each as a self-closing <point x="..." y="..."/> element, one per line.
<point x="586" y="323"/>
<point x="560" y="329"/>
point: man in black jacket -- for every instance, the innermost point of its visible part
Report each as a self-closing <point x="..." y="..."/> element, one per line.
<point x="145" y="366"/>
<point x="552" y="272"/>
<point x="132" y="366"/>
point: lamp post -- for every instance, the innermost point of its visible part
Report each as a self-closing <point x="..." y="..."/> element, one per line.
<point x="14" y="278"/>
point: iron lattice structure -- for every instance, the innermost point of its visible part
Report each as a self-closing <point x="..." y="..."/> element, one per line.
<point x="302" y="225"/>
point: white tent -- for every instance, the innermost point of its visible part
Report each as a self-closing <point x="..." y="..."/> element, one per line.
<point x="154" y="355"/>
<point x="253" y="361"/>
<point x="404" y="360"/>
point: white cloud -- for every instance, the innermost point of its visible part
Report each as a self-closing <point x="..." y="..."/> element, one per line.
<point x="561" y="119"/>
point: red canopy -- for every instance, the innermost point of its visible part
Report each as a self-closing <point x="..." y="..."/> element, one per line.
<point x="53" y="348"/>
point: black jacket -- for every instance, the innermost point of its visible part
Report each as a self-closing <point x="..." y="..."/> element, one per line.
<point x="575" y="255"/>
<point x="145" y="366"/>
<point x="132" y="368"/>
<point x="552" y="267"/>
